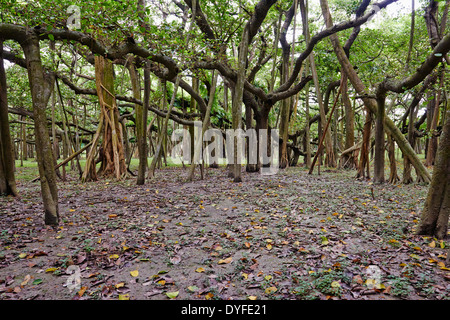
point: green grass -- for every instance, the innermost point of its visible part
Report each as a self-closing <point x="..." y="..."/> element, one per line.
<point x="29" y="170"/>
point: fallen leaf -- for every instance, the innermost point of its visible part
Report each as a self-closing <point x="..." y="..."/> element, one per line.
<point x="119" y="285"/>
<point x="134" y="273"/>
<point x="175" y="260"/>
<point x="25" y="280"/>
<point x="270" y="290"/>
<point x="200" y="269"/>
<point x="82" y="291"/>
<point x="252" y="297"/>
<point x="225" y="261"/>
<point x="124" y="296"/>
<point x="209" y="296"/>
<point x="335" y="284"/>
<point x="172" y="295"/>
<point x="193" y="288"/>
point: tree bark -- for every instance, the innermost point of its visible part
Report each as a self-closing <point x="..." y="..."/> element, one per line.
<point x="435" y="214"/>
<point x="141" y="119"/>
<point x="349" y="161"/>
<point x="7" y="178"/>
<point x="378" y="174"/>
<point x="238" y="99"/>
<point x="41" y="85"/>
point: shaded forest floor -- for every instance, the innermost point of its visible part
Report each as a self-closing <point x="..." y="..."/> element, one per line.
<point x="287" y="236"/>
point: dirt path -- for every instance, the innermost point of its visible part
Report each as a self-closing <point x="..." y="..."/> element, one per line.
<point x="287" y="236"/>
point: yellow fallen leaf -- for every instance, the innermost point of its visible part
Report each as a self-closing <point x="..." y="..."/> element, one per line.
<point x="114" y="256"/>
<point x="270" y="290"/>
<point x="134" y="273"/>
<point x="252" y="297"/>
<point x="245" y="275"/>
<point x="200" y="269"/>
<point x="225" y="261"/>
<point x="335" y="284"/>
<point x="432" y="244"/>
<point x="268" y="277"/>
<point x="209" y="296"/>
<point x="22" y="255"/>
<point x="51" y="270"/>
<point x="124" y="296"/>
<point x="119" y="285"/>
<point x="269" y="247"/>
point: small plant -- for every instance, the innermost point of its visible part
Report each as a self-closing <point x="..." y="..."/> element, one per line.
<point x="327" y="282"/>
<point x="302" y="289"/>
<point x="400" y="287"/>
<point x="88" y="245"/>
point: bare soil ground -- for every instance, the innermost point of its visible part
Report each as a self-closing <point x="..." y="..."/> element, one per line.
<point x="286" y="236"/>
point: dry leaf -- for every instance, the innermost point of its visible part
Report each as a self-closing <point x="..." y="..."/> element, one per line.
<point x="270" y="290"/>
<point x="134" y="273"/>
<point x="25" y="280"/>
<point x="225" y="261"/>
<point x="82" y="291"/>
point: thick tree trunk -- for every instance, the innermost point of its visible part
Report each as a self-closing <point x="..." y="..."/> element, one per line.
<point x="111" y="154"/>
<point x="436" y="211"/>
<point x="40" y="94"/>
<point x="7" y="179"/>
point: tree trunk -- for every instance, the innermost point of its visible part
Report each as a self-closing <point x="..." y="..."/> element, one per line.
<point x="393" y="176"/>
<point x="111" y="154"/>
<point x="41" y="86"/>
<point x="7" y="179"/>
<point x="435" y="215"/>
<point x="238" y="99"/>
<point x="349" y="160"/>
<point x="141" y="119"/>
<point x="378" y="174"/>
<point x="364" y="152"/>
